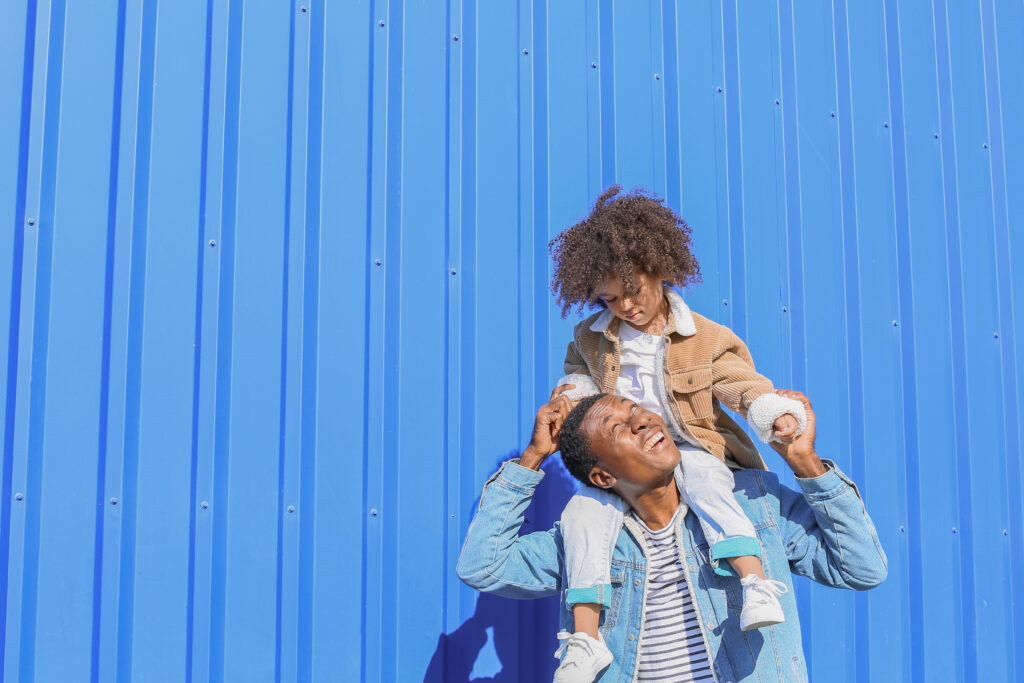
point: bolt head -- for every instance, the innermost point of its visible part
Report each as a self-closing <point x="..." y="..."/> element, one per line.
<point x="113" y="501"/>
<point x="593" y="65"/>
<point x="19" y="496"/>
<point x="452" y="271"/>
<point x="302" y="9"/>
<point x="785" y="309"/>
<point x="525" y="51"/>
<point x="725" y="302"/>
<point x="719" y="88"/>
<point x="832" y="114"/>
<point x="657" y="77"/>
<point x="373" y="512"/>
<point x="31" y="221"/>
<point x="204" y="505"/>
<point x="291" y="509"/>
<point x="213" y="243"/>
<point x="777" y="103"/>
<point x="455" y="37"/>
<point x="381" y="23"/>
<point x="377" y="261"/>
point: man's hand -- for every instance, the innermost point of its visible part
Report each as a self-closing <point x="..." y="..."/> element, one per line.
<point x="799" y="454"/>
<point x="785" y="428"/>
<point x="547" y="426"/>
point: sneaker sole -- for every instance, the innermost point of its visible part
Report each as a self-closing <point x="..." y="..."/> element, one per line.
<point x="759" y="624"/>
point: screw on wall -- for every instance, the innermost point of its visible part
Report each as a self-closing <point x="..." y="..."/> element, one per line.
<point x="885" y="124"/>
<point x="455" y="37"/>
<point x="785" y="309"/>
<point x="995" y="335"/>
<point x="935" y="135"/>
<point x="19" y="496"/>
<point x="291" y="509"/>
<point x="902" y="529"/>
<point x="593" y="65"/>
<point x="31" y="222"/>
<point x="377" y="261"/>
<point x="303" y="9"/>
<point x="452" y="271"/>
<point x="719" y="88"/>
<point x="204" y="505"/>
<point x="381" y="23"/>
<point x="113" y="501"/>
<point x="777" y="103"/>
<point x="984" y="145"/>
<point x="657" y="77"/>
<point x="373" y="512"/>
<point x="213" y="243"/>
<point x="725" y="302"/>
<point x="832" y="114"/>
<point x="525" y="51"/>
<point x="895" y="323"/>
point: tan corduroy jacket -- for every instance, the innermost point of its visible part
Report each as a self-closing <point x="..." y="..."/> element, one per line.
<point x="705" y="365"/>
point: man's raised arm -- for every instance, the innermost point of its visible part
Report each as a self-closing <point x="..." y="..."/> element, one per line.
<point x="495" y="558"/>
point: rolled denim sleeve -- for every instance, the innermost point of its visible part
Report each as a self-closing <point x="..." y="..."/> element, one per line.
<point x="495" y="558"/>
<point x="828" y="534"/>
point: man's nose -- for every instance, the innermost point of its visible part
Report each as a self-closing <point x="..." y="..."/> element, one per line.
<point x="641" y="420"/>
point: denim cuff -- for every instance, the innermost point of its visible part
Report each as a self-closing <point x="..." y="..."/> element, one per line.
<point x="826" y="486"/>
<point x="515" y="475"/>
<point x="600" y="594"/>
<point x="732" y="547"/>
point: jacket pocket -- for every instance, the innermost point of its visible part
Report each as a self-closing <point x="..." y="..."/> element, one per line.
<point x="691" y="389"/>
<point x="611" y="615"/>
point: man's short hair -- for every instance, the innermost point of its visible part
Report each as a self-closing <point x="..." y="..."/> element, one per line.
<point x="576" y="453"/>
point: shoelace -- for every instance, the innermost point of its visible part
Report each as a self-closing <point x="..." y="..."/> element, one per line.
<point x="575" y="646"/>
<point x="766" y="588"/>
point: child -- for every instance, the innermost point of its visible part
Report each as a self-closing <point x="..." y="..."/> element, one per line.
<point x="646" y="345"/>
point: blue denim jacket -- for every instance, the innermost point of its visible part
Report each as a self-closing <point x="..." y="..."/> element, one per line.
<point x="823" y="533"/>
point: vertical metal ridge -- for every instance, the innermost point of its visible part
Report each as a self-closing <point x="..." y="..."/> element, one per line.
<point x="14" y="327"/>
<point x="736" y="311"/>
<point x="285" y="278"/>
<point x="201" y="248"/>
<point x="386" y="469"/>
<point x="108" y="293"/>
<point x="1006" y="332"/>
<point x="606" y="33"/>
<point x="914" y="611"/>
<point x="40" y="334"/>
<point x="133" y="371"/>
<point x="855" y="388"/>
<point x="541" y="210"/>
<point x="964" y="536"/>
<point x="225" y="323"/>
<point x="670" y="67"/>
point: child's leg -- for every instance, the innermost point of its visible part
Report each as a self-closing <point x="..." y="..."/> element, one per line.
<point x="590" y="526"/>
<point x="706" y="485"/>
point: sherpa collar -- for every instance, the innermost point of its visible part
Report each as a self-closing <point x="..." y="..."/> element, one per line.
<point x="681" y="315"/>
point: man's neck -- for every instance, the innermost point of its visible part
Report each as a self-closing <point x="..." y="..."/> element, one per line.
<point x="656" y="506"/>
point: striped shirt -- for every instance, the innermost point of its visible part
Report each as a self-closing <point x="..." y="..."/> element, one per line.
<point x="671" y="645"/>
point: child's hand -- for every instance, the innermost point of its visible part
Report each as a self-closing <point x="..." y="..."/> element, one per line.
<point x="785" y="428"/>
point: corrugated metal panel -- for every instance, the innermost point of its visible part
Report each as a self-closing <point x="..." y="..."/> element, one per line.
<point x="278" y="306"/>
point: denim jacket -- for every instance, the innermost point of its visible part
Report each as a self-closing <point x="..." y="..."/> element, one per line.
<point x="823" y="533"/>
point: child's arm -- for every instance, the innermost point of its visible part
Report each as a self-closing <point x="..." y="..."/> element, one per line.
<point x="739" y="386"/>
<point x="577" y="373"/>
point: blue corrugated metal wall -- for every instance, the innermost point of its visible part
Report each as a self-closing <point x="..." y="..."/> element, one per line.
<point x="278" y="306"/>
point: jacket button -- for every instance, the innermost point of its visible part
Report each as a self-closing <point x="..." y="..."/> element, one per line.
<point x="637" y="582"/>
<point x="689" y="381"/>
<point x="632" y="637"/>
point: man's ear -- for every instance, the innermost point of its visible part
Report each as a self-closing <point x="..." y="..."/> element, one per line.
<point x="601" y="479"/>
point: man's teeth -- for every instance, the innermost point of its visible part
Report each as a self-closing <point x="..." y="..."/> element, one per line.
<point x="653" y="441"/>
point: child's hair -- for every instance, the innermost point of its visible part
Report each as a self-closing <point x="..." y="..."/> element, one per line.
<point x="576" y="454"/>
<point x="622" y="233"/>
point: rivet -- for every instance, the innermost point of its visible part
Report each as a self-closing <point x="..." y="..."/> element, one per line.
<point x="885" y="124"/>
<point x="995" y="335"/>
<point x="984" y="145"/>
<point x="895" y="324"/>
<point x="452" y="271"/>
<point x="302" y="9"/>
<point x="954" y="530"/>
<point x="451" y="516"/>
<point x="113" y="501"/>
<point x="632" y="637"/>
<point x="657" y="77"/>
<point x="785" y="310"/>
<point x="373" y="512"/>
<point x="213" y="243"/>
<point x="525" y="51"/>
<point x="19" y="496"/>
<point x="593" y="65"/>
<point x="725" y="302"/>
<point x="776" y="102"/>
<point x="935" y="135"/>
<point x="832" y="114"/>
<point x="377" y="261"/>
<point x="31" y="221"/>
<point x="381" y="23"/>
<point x="291" y="509"/>
<point x="719" y="88"/>
<point x="204" y="505"/>
<point x="455" y="37"/>
<point x="1004" y="532"/>
<point x="902" y="529"/>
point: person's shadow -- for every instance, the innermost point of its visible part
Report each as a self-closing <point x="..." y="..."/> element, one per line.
<point x="493" y="645"/>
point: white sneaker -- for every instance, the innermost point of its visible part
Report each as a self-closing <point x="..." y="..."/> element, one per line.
<point x="761" y="605"/>
<point x="582" y="657"/>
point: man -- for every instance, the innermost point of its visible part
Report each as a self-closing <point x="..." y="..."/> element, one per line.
<point x="822" y="532"/>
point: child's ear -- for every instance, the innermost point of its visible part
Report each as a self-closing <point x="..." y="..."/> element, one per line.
<point x="602" y="479"/>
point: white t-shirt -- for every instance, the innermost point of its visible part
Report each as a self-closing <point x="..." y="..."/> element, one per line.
<point x="638" y="364"/>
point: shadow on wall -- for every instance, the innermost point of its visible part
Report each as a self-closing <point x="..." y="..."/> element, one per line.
<point x="486" y="647"/>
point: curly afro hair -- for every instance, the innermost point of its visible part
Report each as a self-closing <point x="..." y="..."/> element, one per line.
<point x="576" y="454"/>
<point x="623" y="233"/>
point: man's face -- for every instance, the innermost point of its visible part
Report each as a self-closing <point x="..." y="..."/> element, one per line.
<point x="636" y="306"/>
<point x="631" y="444"/>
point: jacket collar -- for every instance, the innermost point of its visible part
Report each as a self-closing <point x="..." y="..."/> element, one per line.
<point x="681" y="316"/>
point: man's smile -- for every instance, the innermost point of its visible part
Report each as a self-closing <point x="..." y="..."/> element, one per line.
<point x="654" y="440"/>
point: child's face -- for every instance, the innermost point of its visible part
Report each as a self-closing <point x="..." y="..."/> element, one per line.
<point x="637" y="307"/>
